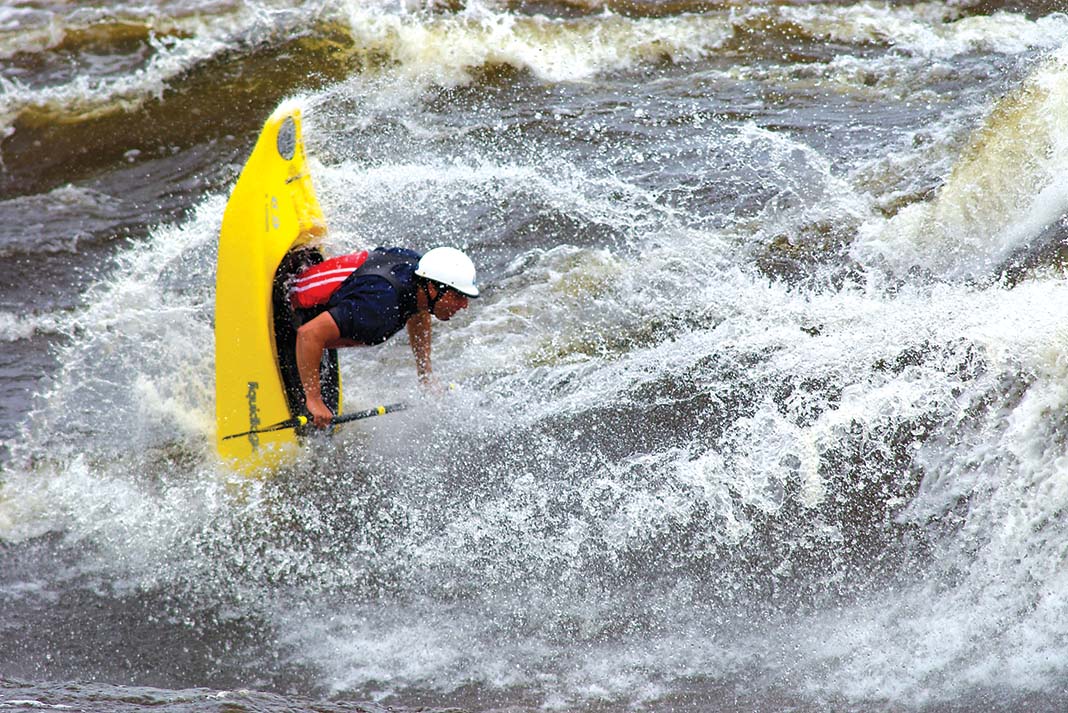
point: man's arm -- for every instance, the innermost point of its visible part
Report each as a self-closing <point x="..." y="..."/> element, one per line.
<point x="418" y="326"/>
<point x="312" y="339"/>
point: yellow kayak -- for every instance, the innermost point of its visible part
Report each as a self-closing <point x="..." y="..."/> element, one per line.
<point x="272" y="219"/>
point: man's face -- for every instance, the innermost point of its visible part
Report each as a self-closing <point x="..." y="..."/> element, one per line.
<point x="449" y="303"/>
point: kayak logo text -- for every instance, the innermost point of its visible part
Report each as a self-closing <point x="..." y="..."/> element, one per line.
<point x="272" y="214"/>
<point x="253" y="414"/>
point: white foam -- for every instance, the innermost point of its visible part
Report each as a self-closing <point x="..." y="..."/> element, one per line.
<point x="929" y="29"/>
<point x="654" y="493"/>
<point x="14" y="327"/>
<point x="446" y="48"/>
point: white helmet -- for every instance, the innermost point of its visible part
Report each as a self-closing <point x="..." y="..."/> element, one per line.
<point x="451" y="268"/>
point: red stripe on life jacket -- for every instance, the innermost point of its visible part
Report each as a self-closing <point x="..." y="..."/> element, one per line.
<point x="314" y="286"/>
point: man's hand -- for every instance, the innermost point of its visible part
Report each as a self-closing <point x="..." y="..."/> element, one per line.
<point x="431" y="384"/>
<point x="321" y="415"/>
<point x="435" y="387"/>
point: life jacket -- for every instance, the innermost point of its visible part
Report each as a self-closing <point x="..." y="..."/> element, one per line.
<point x="315" y="286"/>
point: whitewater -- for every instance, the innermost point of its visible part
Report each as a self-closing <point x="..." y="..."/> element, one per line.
<point x="762" y="407"/>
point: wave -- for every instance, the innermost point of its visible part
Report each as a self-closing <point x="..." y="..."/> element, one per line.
<point x="170" y="82"/>
<point x="449" y="48"/>
<point x="1006" y="187"/>
<point x="925" y="29"/>
<point x="143" y="57"/>
<point x="57" y="221"/>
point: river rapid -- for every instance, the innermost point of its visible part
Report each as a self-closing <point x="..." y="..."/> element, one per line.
<point x="763" y="408"/>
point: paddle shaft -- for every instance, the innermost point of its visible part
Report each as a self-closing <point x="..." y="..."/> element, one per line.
<point x="301" y="421"/>
<point x="367" y="413"/>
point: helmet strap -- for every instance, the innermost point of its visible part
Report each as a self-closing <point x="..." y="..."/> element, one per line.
<point x="431" y="302"/>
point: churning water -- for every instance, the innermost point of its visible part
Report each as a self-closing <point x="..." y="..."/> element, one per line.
<point x="764" y="407"/>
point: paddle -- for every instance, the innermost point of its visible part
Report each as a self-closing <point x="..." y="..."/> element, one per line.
<point x="300" y="421"/>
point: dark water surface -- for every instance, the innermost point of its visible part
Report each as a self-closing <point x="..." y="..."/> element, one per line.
<point x="762" y="409"/>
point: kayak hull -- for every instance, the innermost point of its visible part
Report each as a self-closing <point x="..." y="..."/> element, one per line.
<point x="271" y="211"/>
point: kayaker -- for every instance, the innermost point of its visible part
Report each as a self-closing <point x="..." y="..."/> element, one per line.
<point x="366" y="298"/>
